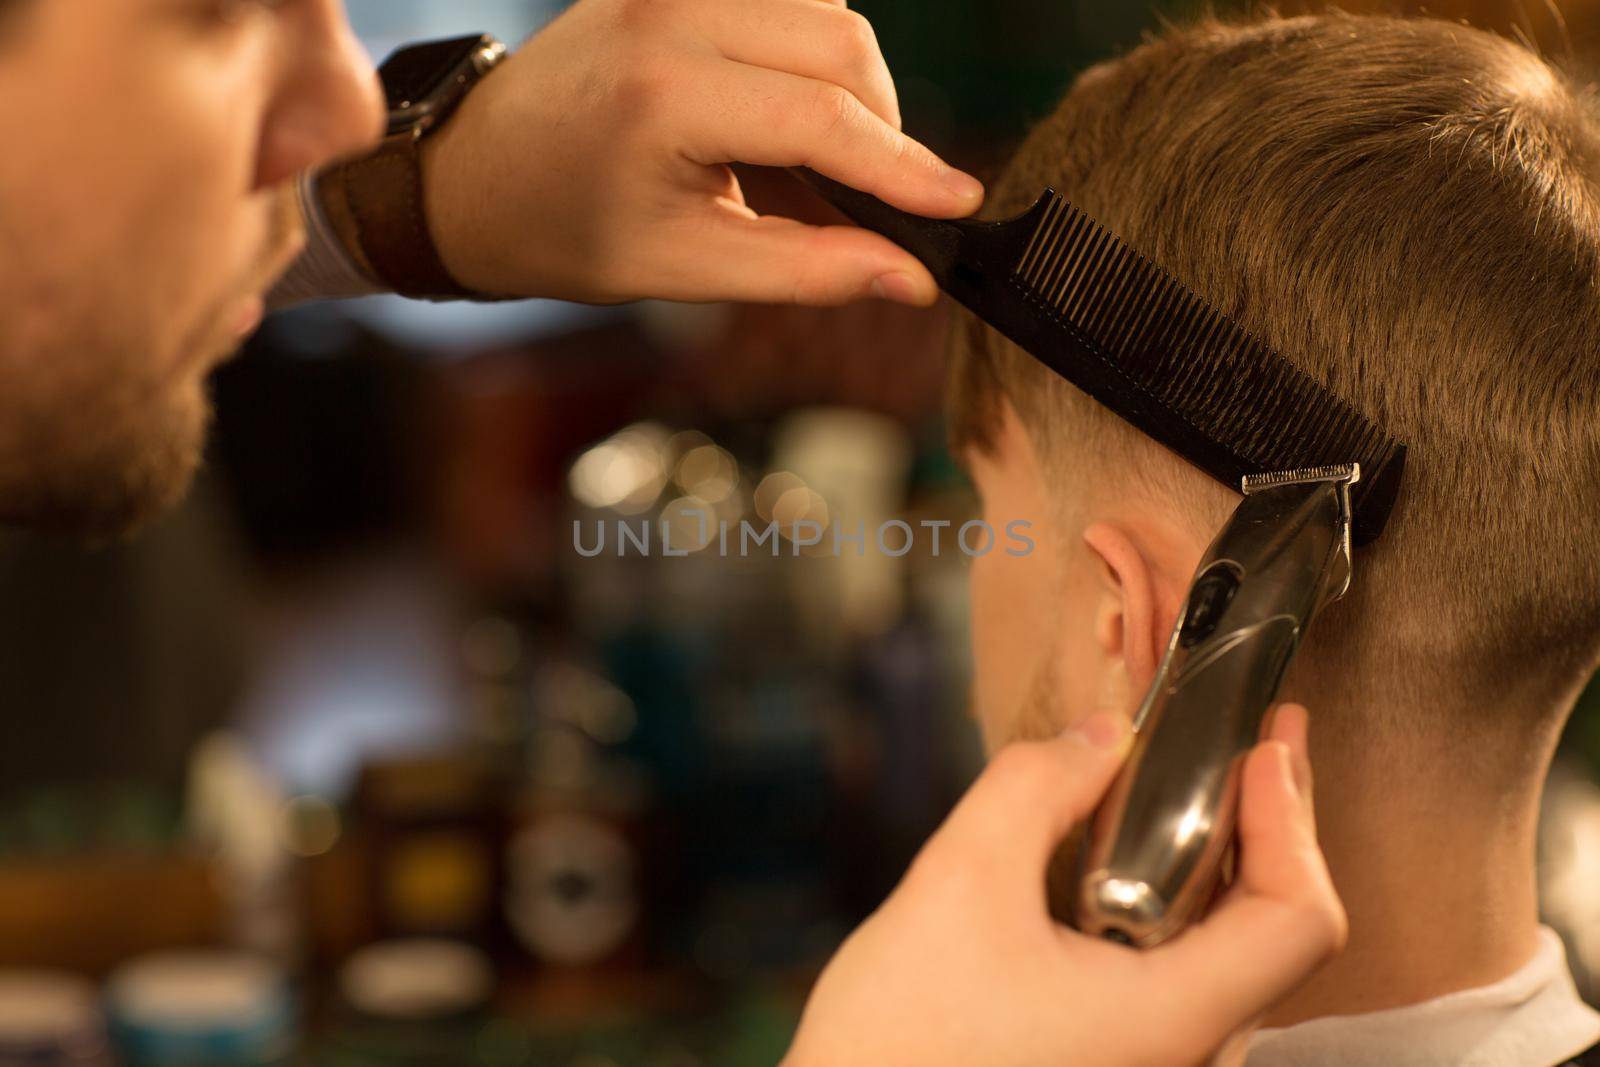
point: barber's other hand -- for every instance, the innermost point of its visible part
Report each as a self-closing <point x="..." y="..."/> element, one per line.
<point x="592" y="165"/>
<point x="964" y="965"/>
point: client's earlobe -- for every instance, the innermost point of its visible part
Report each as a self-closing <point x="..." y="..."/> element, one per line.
<point x="1116" y="690"/>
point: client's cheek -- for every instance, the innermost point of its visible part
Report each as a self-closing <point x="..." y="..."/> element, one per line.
<point x="1001" y="656"/>
<point x="1043" y="710"/>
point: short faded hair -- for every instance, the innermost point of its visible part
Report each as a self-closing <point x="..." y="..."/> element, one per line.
<point x="1406" y="208"/>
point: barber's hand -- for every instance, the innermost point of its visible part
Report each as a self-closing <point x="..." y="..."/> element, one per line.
<point x="963" y="965"/>
<point x="592" y="165"/>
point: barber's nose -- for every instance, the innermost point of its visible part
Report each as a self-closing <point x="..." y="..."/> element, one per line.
<point x="331" y="106"/>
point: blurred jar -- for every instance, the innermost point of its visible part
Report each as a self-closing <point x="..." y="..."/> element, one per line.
<point x="417" y="1002"/>
<point x="211" y="1008"/>
<point x="50" y="1019"/>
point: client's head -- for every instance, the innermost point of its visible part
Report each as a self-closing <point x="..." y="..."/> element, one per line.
<point x="1407" y="209"/>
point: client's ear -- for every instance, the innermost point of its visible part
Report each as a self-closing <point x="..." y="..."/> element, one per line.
<point x="1129" y="622"/>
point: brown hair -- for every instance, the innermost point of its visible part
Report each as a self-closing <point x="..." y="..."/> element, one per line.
<point x="1407" y="209"/>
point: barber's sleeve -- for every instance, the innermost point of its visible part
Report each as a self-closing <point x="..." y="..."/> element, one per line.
<point x="325" y="270"/>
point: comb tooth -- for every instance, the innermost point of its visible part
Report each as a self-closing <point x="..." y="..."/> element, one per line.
<point x="1155" y="339"/>
<point x="1028" y="267"/>
<point x="1381" y="446"/>
<point x="1370" y="452"/>
<point x="1131" y="295"/>
<point x="1223" y="346"/>
<point x="1161" y="340"/>
<point x="1231" y="343"/>
<point x="1208" y="367"/>
<point x="1262" y="405"/>
<point x="1067" y="291"/>
<point x="1129" y="308"/>
<point x="1239" y="403"/>
<point x="1315" y="427"/>
<point x="1153" y="299"/>
<point x="1159" y="311"/>
<point x="1381" y="450"/>
<point x="1187" y="345"/>
<point x="1086" y="247"/>
<point x="1057" y="247"/>
<point x="1051" y="212"/>
<point x="1342" y="434"/>
<point x="1048" y="244"/>
<point x="1321" y="424"/>
<point x="1192" y="320"/>
<point x="1368" y="444"/>
<point x="1089" y="283"/>
<point x="1109" y="305"/>
<point x="1306" y="423"/>
<point x="1231" y="352"/>
<point x="1069" y="245"/>
<point x="1384" y="457"/>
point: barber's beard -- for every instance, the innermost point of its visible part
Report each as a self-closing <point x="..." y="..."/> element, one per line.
<point x="106" y="435"/>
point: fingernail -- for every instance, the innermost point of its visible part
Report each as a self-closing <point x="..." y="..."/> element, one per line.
<point x="962" y="184"/>
<point x="1296" y="784"/>
<point x="1104" y="729"/>
<point x="897" y="287"/>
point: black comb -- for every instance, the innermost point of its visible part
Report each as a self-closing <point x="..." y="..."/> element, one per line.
<point x="1139" y="341"/>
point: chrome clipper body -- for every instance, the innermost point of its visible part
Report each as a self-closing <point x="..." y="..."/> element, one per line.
<point x="1156" y="847"/>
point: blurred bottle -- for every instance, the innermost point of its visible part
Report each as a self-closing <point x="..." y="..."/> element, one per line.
<point x="432" y="827"/>
<point x="237" y="811"/>
<point x="573" y="861"/>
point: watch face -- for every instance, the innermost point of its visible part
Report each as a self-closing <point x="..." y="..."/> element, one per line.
<point x="417" y="79"/>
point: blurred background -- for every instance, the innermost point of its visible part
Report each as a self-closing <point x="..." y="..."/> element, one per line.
<point x="361" y="758"/>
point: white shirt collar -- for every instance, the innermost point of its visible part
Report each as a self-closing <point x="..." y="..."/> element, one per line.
<point x="1532" y="1018"/>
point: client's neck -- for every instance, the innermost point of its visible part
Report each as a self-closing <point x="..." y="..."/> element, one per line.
<point x="1436" y="871"/>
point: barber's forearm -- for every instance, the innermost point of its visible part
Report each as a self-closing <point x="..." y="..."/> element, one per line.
<point x="329" y="268"/>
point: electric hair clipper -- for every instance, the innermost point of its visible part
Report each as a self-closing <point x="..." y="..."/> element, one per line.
<point x="1156" y="847"/>
<point x="1134" y="337"/>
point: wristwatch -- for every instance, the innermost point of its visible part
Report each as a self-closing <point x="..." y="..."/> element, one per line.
<point x="376" y="203"/>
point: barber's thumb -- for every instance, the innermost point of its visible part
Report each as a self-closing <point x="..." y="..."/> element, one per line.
<point x="1034" y="792"/>
<point x="1279" y="920"/>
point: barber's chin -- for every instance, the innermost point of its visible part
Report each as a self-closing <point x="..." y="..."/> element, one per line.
<point x="121" y="467"/>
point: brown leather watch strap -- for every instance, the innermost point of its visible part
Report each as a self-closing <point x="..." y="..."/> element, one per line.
<point x="384" y="197"/>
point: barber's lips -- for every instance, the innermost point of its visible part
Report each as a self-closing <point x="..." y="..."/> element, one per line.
<point x="253" y="308"/>
<point x="248" y="317"/>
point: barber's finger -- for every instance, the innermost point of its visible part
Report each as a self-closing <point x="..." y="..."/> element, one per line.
<point x="1291" y="724"/>
<point x="823" y="41"/>
<point x="775" y="260"/>
<point x="1031" y="794"/>
<point x="1287" y="724"/>
<point x="1278" y="922"/>
<point x="769" y="118"/>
